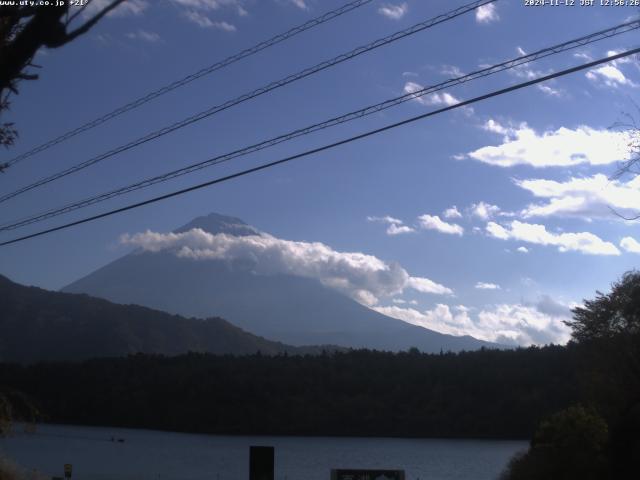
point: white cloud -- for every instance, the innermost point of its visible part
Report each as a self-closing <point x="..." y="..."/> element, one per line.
<point x="432" y="99"/>
<point x="225" y="26"/>
<point x="204" y="21"/>
<point x="300" y="4"/>
<point x="583" y="56"/>
<point x="624" y="60"/>
<point x="524" y="325"/>
<point x="483" y="210"/>
<point x="394" y="12"/>
<point x="144" y="35"/>
<point x="546" y="89"/>
<point x="452" y="212"/>
<point x="385" y="219"/>
<point x="394" y="229"/>
<point x="525" y="72"/>
<point x="363" y="277"/>
<point x="583" y="242"/>
<point x="560" y="148"/>
<point x="590" y="197"/>
<point x="630" y="244"/>
<point x="435" y="99"/>
<point x="487" y="286"/>
<point x="609" y="76"/>
<point x="518" y="324"/>
<point x="522" y="249"/>
<point x="425" y="285"/>
<point x="493" y="126"/>
<point x="487" y="13"/>
<point x="433" y="222"/>
<point x="452" y="71"/>
<point x="395" y="226"/>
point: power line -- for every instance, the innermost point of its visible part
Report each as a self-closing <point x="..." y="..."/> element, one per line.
<point x="348" y="7"/>
<point x="255" y="93"/>
<point x="306" y="153"/>
<point x="553" y="50"/>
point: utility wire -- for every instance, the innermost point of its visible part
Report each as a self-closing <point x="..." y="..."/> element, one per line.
<point x="307" y="153"/>
<point x="518" y="61"/>
<point x="255" y="93"/>
<point x="348" y="7"/>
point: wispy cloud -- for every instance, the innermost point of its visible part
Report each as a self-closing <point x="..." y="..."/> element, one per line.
<point x="130" y="7"/>
<point x="583" y="242"/>
<point x="395" y="226"/>
<point x="204" y="21"/>
<point x="451" y="71"/>
<point x="300" y="4"/>
<point x="526" y="72"/>
<point x="365" y="278"/>
<point x="394" y="12"/>
<point x="144" y="35"/>
<point x="546" y="89"/>
<point x="487" y="286"/>
<point x="209" y="4"/>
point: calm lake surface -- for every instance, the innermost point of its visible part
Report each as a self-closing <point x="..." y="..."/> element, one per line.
<point x="147" y="455"/>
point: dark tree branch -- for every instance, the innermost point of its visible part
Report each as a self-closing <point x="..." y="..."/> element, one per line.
<point x="23" y="31"/>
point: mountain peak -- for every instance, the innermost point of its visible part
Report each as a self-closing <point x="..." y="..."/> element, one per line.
<point x="215" y="223"/>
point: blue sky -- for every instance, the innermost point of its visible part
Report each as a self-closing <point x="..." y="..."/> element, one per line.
<point x="531" y="234"/>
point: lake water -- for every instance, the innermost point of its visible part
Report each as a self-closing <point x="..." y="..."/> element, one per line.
<point x="147" y="455"/>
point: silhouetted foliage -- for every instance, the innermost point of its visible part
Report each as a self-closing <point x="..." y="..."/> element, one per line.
<point x="486" y="393"/>
<point x="573" y="444"/>
<point x="16" y="406"/>
<point x="24" y="29"/>
<point x="609" y="315"/>
<point x="568" y="445"/>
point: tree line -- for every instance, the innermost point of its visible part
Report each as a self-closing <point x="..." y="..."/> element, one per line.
<point x="579" y="404"/>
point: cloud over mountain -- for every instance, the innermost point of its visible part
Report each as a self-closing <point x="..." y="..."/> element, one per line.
<point x="365" y="278"/>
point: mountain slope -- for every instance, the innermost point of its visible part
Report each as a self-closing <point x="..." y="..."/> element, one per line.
<point x="39" y="325"/>
<point x="288" y="308"/>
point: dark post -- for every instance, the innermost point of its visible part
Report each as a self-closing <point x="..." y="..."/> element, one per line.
<point x="261" y="463"/>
